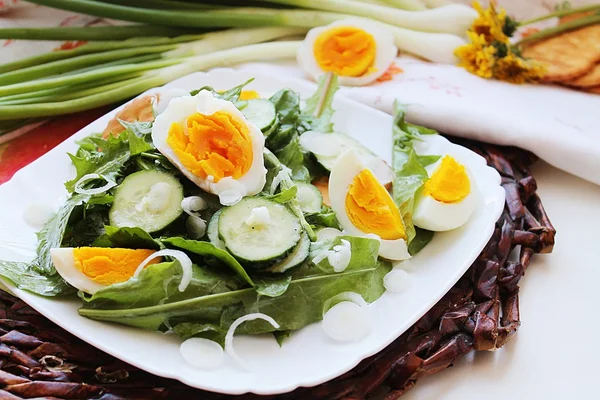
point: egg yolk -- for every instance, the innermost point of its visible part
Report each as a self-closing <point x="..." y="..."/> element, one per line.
<point x="449" y="183"/>
<point x="345" y="50"/>
<point x="371" y="209"/>
<point x="249" y="95"/>
<point x="109" y="265"/>
<point x="217" y="145"/>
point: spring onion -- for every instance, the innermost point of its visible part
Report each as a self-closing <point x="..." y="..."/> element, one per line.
<point x="93" y="32"/>
<point x="153" y="78"/>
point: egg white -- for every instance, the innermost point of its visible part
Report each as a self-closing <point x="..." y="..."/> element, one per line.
<point x="64" y="262"/>
<point x="342" y="175"/>
<point x="229" y="190"/>
<point x="386" y="51"/>
<point x="438" y="216"/>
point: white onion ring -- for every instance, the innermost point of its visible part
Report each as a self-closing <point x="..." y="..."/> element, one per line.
<point x="229" y="336"/>
<point x="90" y="177"/>
<point x="345" y="296"/>
<point x="345" y="301"/>
<point x="195" y="226"/>
<point x="193" y="204"/>
<point x="184" y="260"/>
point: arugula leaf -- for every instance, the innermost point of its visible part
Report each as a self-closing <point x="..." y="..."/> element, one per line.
<point x="138" y="128"/>
<point x="364" y="253"/>
<point x="158" y="284"/>
<point x="422" y="238"/>
<point x="52" y="234"/>
<point x="409" y="172"/>
<point x="105" y="157"/>
<point x="139" y="144"/>
<point x="326" y="217"/>
<point x="427" y="160"/>
<point x="281" y="336"/>
<point x="25" y="277"/>
<point x="305" y="296"/>
<point x="127" y="237"/>
<point x="186" y="330"/>
<point x="285" y="195"/>
<point x="232" y="95"/>
<point x="207" y="250"/>
<point x="85" y="231"/>
<point x="287" y="105"/>
<point x="293" y="157"/>
<point x="318" y="111"/>
<point x="273" y="287"/>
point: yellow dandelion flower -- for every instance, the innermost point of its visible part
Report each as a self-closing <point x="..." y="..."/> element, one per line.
<point x="477" y="57"/>
<point x="515" y="69"/>
<point x="490" y="23"/>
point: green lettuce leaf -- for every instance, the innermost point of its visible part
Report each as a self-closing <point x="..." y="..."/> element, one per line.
<point x="210" y="254"/>
<point x="232" y="95"/>
<point x="325" y="218"/>
<point x="25" y="277"/>
<point x="273" y="287"/>
<point x="421" y="239"/>
<point x="127" y="238"/>
<point x="293" y="157"/>
<point x="364" y="252"/>
<point x="158" y="284"/>
<point x="105" y="157"/>
<point x="301" y="304"/>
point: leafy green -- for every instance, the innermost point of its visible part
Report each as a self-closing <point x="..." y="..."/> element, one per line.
<point x="273" y="163"/>
<point x="138" y="128"/>
<point x="85" y="231"/>
<point x="158" y="284"/>
<point x="293" y="157"/>
<point x="25" y="277"/>
<point x="210" y="253"/>
<point x="281" y="336"/>
<point x="301" y="304"/>
<point x="232" y="95"/>
<point x="285" y="195"/>
<point x="52" y="234"/>
<point x="409" y="172"/>
<point x="127" y="238"/>
<point x="273" y="287"/>
<point x="326" y="217"/>
<point x="287" y="105"/>
<point x="421" y="239"/>
<point x="318" y="111"/>
<point x="105" y="157"/>
<point x="364" y="253"/>
<point x="139" y="144"/>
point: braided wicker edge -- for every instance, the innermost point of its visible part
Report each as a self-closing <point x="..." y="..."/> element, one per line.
<point x="481" y="312"/>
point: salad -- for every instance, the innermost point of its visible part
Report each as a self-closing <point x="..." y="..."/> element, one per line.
<point x="214" y="212"/>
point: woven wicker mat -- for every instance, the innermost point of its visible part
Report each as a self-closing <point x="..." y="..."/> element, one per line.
<point x="481" y="312"/>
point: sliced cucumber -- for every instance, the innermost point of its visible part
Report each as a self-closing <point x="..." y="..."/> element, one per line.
<point x="260" y="112"/>
<point x="213" y="230"/>
<point x="150" y="200"/>
<point x="309" y="198"/>
<point x="328" y="147"/>
<point x="259" y="244"/>
<point x="295" y="258"/>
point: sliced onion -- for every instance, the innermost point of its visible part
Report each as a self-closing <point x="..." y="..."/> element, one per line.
<point x="193" y="204"/>
<point x="202" y="353"/>
<point x="396" y="281"/>
<point x="280" y="177"/>
<point x="328" y="233"/>
<point x="184" y="261"/>
<point x="229" y="336"/>
<point x="348" y="320"/>
<point x="195" y="226"/>
<point x="90" y="177"/>
<point x="230" y="197"/>
<point x="339" y="257"/>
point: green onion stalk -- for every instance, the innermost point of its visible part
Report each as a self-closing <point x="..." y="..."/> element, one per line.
<point x="150" y="78"/>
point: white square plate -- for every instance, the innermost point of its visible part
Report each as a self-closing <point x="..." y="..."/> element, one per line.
<point x="308" y="357"/>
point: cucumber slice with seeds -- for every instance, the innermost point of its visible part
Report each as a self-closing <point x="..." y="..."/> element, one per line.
<point x="263" y="244"/>
<point x="150" y="200"/>
<point x="260" y="112"/>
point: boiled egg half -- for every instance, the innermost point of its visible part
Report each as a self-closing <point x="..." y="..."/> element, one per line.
<point x="90" y="269"/>
<point x="364" y="207"/>
<point x="448" y="198"/>
<point x="211" y="142"/>
<point x="357" y="51"/>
